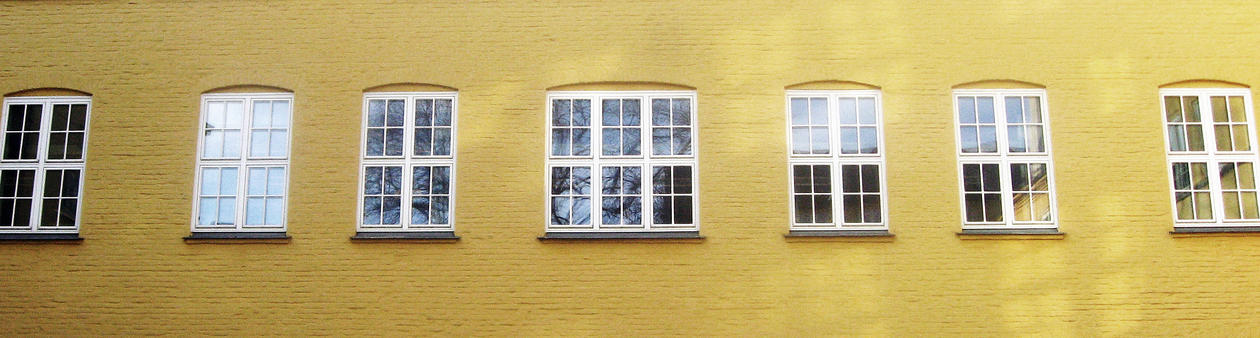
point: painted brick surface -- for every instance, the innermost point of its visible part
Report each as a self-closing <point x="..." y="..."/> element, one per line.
<point x="1117" y="272"/>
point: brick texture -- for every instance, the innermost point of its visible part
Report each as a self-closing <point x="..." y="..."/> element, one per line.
<point x="1117" y="272"/>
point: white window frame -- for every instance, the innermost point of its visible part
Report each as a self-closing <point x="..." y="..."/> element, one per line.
<point x="1004" y="157"/>
<point x="1209" y="155"/>
<point x="42" y="164"/>
<point x="243" y="163"/>
<point x="645" y="160"/>
<point x="837" y="160"/>
<point x="408" y="160"/>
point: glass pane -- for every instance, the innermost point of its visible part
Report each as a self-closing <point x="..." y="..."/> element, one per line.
<point x="1172" y="109"/>
<point x="870" y="208"/>
<point x="1036" y="139"/>
<point x="991" y="178"/>
<point x="231" y="144"/>
<point x="866" y="110"/>
<point x="1229" y="180"/>
<point x="214" y="116"/>
<point x="393" y="181"/>
<point x="372" y="177"/>
<point x="660" y="112"/>
<point x="682" y="113"/>
<point x="967" y="136"/>
<point x="967" y="110"/>
<point x="207" y="210"/>
<point x="1014" y="109"/>
<point x="69" y="211"/>
<point x="848" y="110"/>
<point x="424" y="113"/>
<point x="800" y="111"/>
<point x="870" y="178"/>
<point x="1242" y="141"/>
<point x="610" y="181"/>
<point x="262" y="116"/>
<point x="560" y="210"/>
<point x="275" y="210"/>
<point x="851" y="178"/>
<point x="56" y="146"/>
<point x="661" y="210"/>
<point x="393" y="142"/>
<point x="611" y="144"/>
<point x="992" y="207"/>
<point x="560" y="145"/>
<point x="442" y="180"/>
<point x="804" y="206"/>
<point x="213" y="147"/>
<point x="682" y="141"/>
<point x="630" y="112"/>
<point x="1032" y="109"/>
<point x="682" y="180"/>
<point x="1190" y="105"/>
<point x="682" y="209"/>
<point x="442" y="113"/>
<point x="632" y="180"/>
<point x="820" y="140"/>
<point x="560" y="113"/>
<point x="227" y="182"/>
<point x="209" y="182"/>
<point x="1022" y="206"/>
<point x="581" y="180"/>
<point x="975" y="207"/>
<point x="395" y="113"/>
<point x="610" y="210"/>
<point x="1176" y="138"/>
<point x="1246" y="176"/>
<point x="1203" y="205"/>
<point x="420" y="210"/>
<point x="1199" y="175"/>
<point x="1237" y="110"/>
<point x="818" y="111"/>
<point x="661" y="177"/>
<point x="48" y="216"/>
<point x="1041" y="207"/>
<point x="1194" y="134"/>
<point x="853" y="208"/>
<point x="1019" y="177"/>
<point x="988" y="139"/>
<point x="1249" y="205"/>
<point x="254" y="210"/>
<point x="560" y="181"/>
<point x="371" y="210"/>
<point x="1232" y="211"/>
<point x="660" y="141"/>
<point x="442" y="141"/>
<point x="420" y="182"/>
<point x="1038" y="177"/>
<point x="630" y="142"/>
<point x="971" y="177"/>
<point x="1185" y="206"/>
<point x="275" y="181"/>
<point x="442" y="210"/>
<point x="257" y="183"/>
<point x="1220" y="110"/>
<point x="633" y="210"/>
<point x="423" y="144"/>
<point x="391" y="210"/>
<point x="581" y="113"/>
<point x="849" y="140"/>
<point x="1223" y="142"/>
<point x="258" y="140"/>
<point x="822" y="178"/>
<point x="1016" y="136"/>
<point x="869" y="140"/>
<point x="227" y="210"/>
<point x="984" y="109"/>
<point x="279" y="114"/>
<point x="611" y="113"/>
<point x="70" y="184"/>
<point x="1181" y="176"/>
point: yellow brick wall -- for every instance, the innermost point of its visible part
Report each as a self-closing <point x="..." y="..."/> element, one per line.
<point x="1117" y="272"/>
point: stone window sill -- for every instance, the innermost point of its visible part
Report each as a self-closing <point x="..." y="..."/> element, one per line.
<point x="670" y="236"/>
<point x="1230" y="231"/>
<point x="1050" y="233"/>
<point x="237" y="238"/>
<point x="40" y="238"/>
<point x="405" y="236"/>
<point x="839" y="236"/>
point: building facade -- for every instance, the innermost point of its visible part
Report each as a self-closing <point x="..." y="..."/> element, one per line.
<point x="629" y="168"/>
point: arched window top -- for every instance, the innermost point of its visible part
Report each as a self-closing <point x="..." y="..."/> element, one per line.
<point x="831" y="85"/>
<point x="999" y="84"/>
<point x="248" y="88"/>
<point x="409" y="87"/>
<point x="1203" y="83"/>
<point x="48" y="91"/>
<point x="620" y="86"/>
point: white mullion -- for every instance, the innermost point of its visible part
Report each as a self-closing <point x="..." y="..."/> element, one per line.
<point x="596" y="134"/>
<point x="37" y="198"/>
<point x="1004" y="158"/>
<point x="242" y="174"/>
<point x="409" y="125"/>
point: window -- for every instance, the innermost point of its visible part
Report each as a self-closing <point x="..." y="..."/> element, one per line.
<point x="42" y="163"/>
<point x="835" y="136"/>
<point x="243" y="163"/>
<point x="408" y="156"/>
<point x="1211" y="157"/>
<point x="645" y="184"/>
<point x="1004" y="159"/>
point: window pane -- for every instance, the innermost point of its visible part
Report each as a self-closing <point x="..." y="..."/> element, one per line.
<point x="611" y="113"/>
<point x="442" y="210"/>
<point x="988" y="139"/>
<point x="1237" y="109"/>
<point x="1176" y="138"/>
<point x="660" y="141"/>
<point x="993" y="207"/>
<point x="442" y="179"/>
<point x="870" y="178"/>
<point x="818" y="111"/>
<point x="1172" y="109"/>
<point x="820" y="140"/>
<point x="1223" y="142"/>
<point x="869" y="140"/>
<point x="420" y="210"/>
<point x="870" y="208"/>
<point x="424" y="112"/>
<point x="395" y="113"/>
<point x="975" y="207"/>
<point x="984" y="110"/>
<point x="800" y="111"/>
<point x="1194" y="134"/>
<point x="682" y="210"/>
<point x="443" y="109"/>
<point x="966" y="110"/>
<point x="231" y="144"/>
<point x="682" y="112"/>
<point x="822" y="178"/>
<point x="866" y="110"/>
<point x="968" y="136"/>
<point x="630" y="112"/>
<point x="275" y="210"/>
<point x="630" y="140"/>
<point x="849" y="140"/>
<point x="1203" y="205"/>
<point x="853" y="208"/>
<point x="848" y="110"/>
<point x="851" y="178"/>
<point x="633" y="207"/>
<point x="581" y="113"/>
<point x="560" y="112"/>
<point x="1242" y="141"/>
<point x="255" y="210"/>
<point x="611" y="144"/>
<point x="1014" y="109"/>
<point x="257" y="184"/>
<point x="262" y="114"/>
<point x="442" y="141"/>
<point x="682" y="141"/>
<point x="423" y="144"/>
<point x="1190" y="106"/>
<point x="804" y="206"/>
<point x="822" y="208"/>
<point x="991" y="178"/>
<point x="560" y="145"/>
<point x="1220" y="111"/>
<point x="1016" y="136"/>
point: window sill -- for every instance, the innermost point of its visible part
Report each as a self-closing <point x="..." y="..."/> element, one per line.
<point x="1052" y="233"/>
<point x="237" y="238"/>
<point x="405" y="236"/>
<point x="668" y="236"/>
<point x="1232" y="231"/>
<point x="41" y="238"/>
<point x="839" y="236"/>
